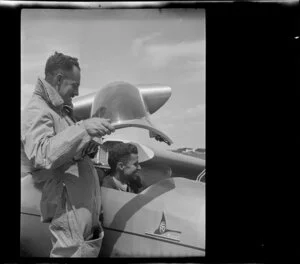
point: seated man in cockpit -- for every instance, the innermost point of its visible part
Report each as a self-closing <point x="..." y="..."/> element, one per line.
<point x="124" y="168"/>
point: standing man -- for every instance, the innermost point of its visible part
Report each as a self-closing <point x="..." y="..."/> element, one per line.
<point x="54" y="150"/>
<point x="124" y="168"/>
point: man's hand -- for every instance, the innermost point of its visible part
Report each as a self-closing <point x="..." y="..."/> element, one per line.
<point x="92" y="149"/>
<point x="157" y="137"/>
<point x="98" y="127"/>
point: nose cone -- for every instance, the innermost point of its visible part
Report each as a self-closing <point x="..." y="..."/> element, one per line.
<point x="124" y="105"/>
<point x="155" y="96"/>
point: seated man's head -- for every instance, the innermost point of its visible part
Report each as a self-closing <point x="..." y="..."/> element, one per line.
<point x="123" y="161"/>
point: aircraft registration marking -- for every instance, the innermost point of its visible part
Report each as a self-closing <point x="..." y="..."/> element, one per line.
<point x="163" y="232"/>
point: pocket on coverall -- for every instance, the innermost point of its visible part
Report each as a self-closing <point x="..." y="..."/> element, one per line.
<point x="69" y="237"/>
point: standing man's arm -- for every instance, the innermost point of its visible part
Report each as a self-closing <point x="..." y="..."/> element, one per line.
<point x="45" y="148"/>
<point x="48" y="150"/>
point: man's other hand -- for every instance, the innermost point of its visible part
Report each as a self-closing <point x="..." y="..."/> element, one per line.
<point x="92" y="149"/>
<point x="98" y="127"/>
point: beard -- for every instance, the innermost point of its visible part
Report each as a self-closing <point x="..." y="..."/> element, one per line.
<point x="135" y="179"/>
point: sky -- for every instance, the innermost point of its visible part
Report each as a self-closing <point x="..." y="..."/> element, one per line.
<point x="139" y="46"/>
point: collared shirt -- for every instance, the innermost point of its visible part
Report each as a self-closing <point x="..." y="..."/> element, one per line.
<point x="120" y="185"/>
<point x="111" y="182"/>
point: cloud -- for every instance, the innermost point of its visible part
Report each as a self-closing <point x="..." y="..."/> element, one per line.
<point x="195" y="64"/>
<point x="193" y="78"/>
<point x="139" y="43"/>
<point x="159" y="55"/>
<point x="167" y="118"/>
<point x="198" y="109"/>
<point x="193" y="112"/>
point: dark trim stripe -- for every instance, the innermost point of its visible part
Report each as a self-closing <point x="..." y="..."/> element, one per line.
<point x="155" y="238"/>
<point x="135" y="234"/>
<point x="31" y="214"/>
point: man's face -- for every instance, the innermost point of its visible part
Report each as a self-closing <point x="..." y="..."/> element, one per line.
<point x="131" y="168"/>
<point x="68" y="85"/>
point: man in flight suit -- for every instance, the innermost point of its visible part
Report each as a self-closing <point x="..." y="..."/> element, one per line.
<point x="55" y="151"/>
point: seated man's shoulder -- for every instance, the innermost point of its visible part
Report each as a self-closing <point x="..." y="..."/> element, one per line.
<point x="108" y="182"/>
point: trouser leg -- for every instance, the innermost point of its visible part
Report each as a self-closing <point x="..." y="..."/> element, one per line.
<point x="65" y="236"/>
<point x="72" y="233"/>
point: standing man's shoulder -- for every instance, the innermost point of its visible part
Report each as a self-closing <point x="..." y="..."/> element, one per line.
<point x="36" y="104"/>
<point x="35" y="107"/>
<point x="39" y="103"/>
<point x="35" y="113"/>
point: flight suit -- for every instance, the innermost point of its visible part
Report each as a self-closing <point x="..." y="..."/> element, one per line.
<point x="53" y="153"/>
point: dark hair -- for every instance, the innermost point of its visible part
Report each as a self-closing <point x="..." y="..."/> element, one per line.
<point x="60" y="61"/>
<point x="120" y="152"/>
